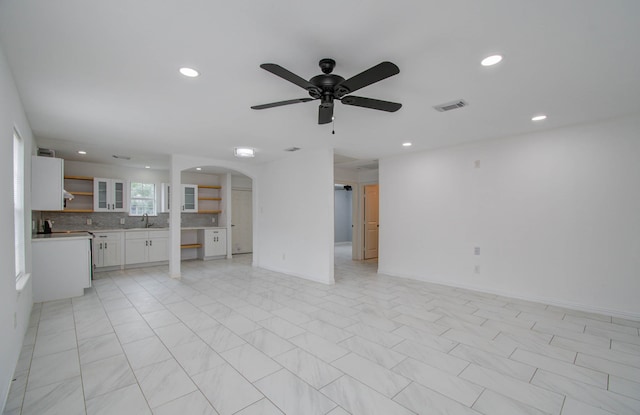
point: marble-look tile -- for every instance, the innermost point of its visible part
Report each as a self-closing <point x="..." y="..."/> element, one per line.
<point x="124" y="316"/>
<point x="126" y="401"/>
<point x="226" y="389"/>
<point x="381" y="355"/>
<point x="573" y="371"/>
<point x="262" y="407"/>
<point x="106" y="375"/>
<point x="220" y="338"/>
<point x="238" y="323"/>
<point x="587" y="394"/>
<point x="359" y="399"/>
<point x="440" y="381"/>
<point x="131" y="332"/>
<point x="574" y="407"/>
<point x="267" y="342"/>
<point x="55" y="325"/>
<point x="319" y="347"/>
<point x="293" y="395"/>
<point x="192" y="404"/>
<point x="250" y="362"/>
<point x="291" y="315"/>
<point x="199" y="321"/>
<point x="94" y="329"/>
<point x="327" y="331"/>
<point x="433" y="341"/>
<point x="163" y="382"/>
<point x="375" y="335"/>
<point x="481" y="343"/>
<point x="160" y="318"/>
<point x="175" y="334"/>
<point x="619" y="346"/>
<point x="196" y="357"/>
<point x="64" y="397"/>
<point x="281" y="327"/>
<point x="425" y="401"/>
<point x="53" y="368"/>
<point x="420" y="324"/>
<point x="55" y="342"/>
<point x="624" y="387"/>
<point x="375" y="376"/>
<point x="309" y="368"/>
<point x="512" y="341"/>
<point x="495" y="362"/>
<point x="607" y="366"/>
<point x="492" y="403"/>
<point x="254" y="313"/>
<point x="98" y="348"/>
<point x="524" y="392"/>
<point x="146" y="352"/>
<point x="443" y="361"/>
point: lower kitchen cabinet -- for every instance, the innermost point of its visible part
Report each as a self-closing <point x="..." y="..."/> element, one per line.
<point x="146" y="246"/>
<point x="215" y="242"/>
<point x="107" y="248"/>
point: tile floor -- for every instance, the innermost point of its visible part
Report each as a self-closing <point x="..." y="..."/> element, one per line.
<point x="231" y="339"/>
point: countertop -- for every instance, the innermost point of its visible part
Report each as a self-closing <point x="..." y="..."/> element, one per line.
<point x="153" y="228"/>
<point x="69" y="235"/>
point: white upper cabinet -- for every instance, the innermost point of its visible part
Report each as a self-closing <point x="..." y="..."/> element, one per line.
<point x="109" y="195"/>
<point x="47" y="178"/>
<point x="190" y="198"/>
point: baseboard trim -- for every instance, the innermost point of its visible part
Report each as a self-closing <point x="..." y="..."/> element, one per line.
<point x="536" y="299"/>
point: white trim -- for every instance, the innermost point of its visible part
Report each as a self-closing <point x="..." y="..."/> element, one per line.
<point x="22" y="281"/>
<point x="536" y="299"/>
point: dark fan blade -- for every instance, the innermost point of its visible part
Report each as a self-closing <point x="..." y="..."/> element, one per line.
<point x="288" y="75"/>
<point x="375" y="104"/>
<point x="325" y="114"/>
<point x="281" y="103"/>
<point x="372" y="75"/>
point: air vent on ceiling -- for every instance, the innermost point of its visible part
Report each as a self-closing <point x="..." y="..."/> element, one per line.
<point x="453" y="105"/>
<point x="46" y="152"/>
<point x="115" y="156"/>
<point x="292" y="149"/>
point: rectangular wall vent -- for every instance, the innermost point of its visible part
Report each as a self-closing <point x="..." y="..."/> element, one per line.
<point x="451" y="105"/>
<point x="46" y="152"/>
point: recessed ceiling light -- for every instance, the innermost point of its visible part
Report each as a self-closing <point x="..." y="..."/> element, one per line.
<point x="198" y="168"/>
<point x="539" y="117"/>
<point x="244" y="152"/>
<point x="82" y="152"/>
<point x="147" y="167"/>
<point x="190" y="72"/>
<point x="407" y="144"/>
<point x="491" y="60"/>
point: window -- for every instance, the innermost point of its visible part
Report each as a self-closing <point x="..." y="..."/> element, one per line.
<point x="18" y="203"/>
<point x="143" y="199"/>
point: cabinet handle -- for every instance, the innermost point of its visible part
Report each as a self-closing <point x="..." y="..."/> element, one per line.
<point x="105" y="245"/>
<point x="150" y="243"/>
<point x="146" y="243"/>
<point x="100" y="245"/>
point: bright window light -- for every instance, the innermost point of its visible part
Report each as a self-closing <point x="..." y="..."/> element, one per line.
<point x="244" y="152"/>
<point x="491" y="60"/>
<point x="190" y="72"/>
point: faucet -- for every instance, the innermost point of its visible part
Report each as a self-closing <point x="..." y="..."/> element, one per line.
<point x="145" y="219"/>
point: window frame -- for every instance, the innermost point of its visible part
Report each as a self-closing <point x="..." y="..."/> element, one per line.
<point x="153" y="199"/>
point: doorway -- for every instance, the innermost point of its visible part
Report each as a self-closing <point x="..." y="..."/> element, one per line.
<point x="241" y="221"/>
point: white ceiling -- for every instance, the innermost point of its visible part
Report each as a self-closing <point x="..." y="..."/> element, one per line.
<point x="102" y="76"/>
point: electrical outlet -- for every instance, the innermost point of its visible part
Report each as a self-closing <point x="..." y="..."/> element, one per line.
<point x="121" y="221"/>
<point x="477" y="269"/>
<point x="213" y="219"/>
<point x="89" y="221"/>
<point x="476" y="250"/>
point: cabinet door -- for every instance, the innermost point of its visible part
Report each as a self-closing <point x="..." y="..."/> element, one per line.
<point x="136" y="251"/>
<point x="100" y="195"/>
<point x="96" y="253"/>
<point x="119" y="196"/>
<point x="165" y="198"/>
<point x="110" y="253"/>
<point x="189" y="198"/>
<point x="215" y="242"/>
<point x="158" y="249"/>
<point x="46" y="183"/>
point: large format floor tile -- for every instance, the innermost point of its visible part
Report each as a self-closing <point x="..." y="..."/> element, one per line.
<point x="231" y="339"/>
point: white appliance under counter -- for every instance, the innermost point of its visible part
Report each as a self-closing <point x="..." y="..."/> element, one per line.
<point x="61" y="265"/>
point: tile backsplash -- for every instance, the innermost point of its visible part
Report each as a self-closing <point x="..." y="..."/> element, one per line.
<point x="99" y="220"/>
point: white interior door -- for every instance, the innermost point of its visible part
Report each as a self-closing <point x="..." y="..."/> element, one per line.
<point x="241" y="221"/>
<point x="371" y="223"/>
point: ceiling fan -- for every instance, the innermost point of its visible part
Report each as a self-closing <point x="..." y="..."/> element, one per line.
<point x="328" y="87"/>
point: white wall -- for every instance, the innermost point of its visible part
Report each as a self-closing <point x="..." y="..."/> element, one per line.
<point x="556" y="215"/>
<point x="342" y="215"/>
<point x="295" y="215"/>
<point x="12" y="116"/>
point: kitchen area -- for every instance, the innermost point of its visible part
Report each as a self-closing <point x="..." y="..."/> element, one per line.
<point x="91" y="217"/>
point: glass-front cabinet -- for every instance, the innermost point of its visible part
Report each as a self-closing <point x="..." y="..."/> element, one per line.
<point x="189" y="198"/>
<point x="109" y="195"/>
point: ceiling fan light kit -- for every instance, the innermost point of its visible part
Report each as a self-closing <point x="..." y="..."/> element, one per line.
<point x="328" y="87"/>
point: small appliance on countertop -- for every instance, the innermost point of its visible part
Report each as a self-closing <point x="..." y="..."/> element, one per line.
<point x="48" y="226"/>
